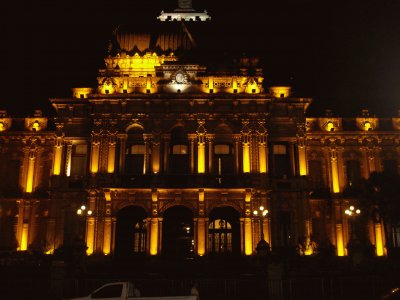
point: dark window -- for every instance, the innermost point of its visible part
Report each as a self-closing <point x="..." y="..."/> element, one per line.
<point x="353" y="173"/>
<point x="395" y="232"/>
<point x="281" y="162"/>
<point x="285" y="227"/>
<point x="179" y="152"/>
<point x="135" y="159"/>
<point x="11" y="181"/>
<point x="223" y="160"/>
<point x="316" y="173"/>
<point x="390" y="166"/>
<point x="78" y="160"/>
<point x="110" y="291"/>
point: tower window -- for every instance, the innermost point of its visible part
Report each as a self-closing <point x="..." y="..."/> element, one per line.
<point x="125" y="91"/>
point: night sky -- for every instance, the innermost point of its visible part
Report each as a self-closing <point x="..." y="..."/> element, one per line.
<point x="344" y="55"/>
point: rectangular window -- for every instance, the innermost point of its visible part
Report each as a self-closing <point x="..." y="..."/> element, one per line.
<point x="78" y="160"/>
<point x="353" y="172"/>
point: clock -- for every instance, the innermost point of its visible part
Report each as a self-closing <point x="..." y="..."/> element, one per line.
<point x="179" y="78"/>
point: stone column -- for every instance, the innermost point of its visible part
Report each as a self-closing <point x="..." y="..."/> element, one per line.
<point x="334" y="170"/>
<point x="236" y="138"/>
<point x="122" y="146"/>
<point x="248" y="230"/>
<point x="30" y="171"/>
<point x="154" y="224"/>
<point x="95" y="153"/>
<point x="146" y="161"/>
<point x="68" y="159"/>
<point x="210" y="141"/>
<point x="192" y="138"/>
<point x="166" y="139"/>
<point x="292" y="159"/>
<point x="262" y="153"/>
<point x="91" y="223"/>
<point x="111" y="154"/>
<point x="201" y="147"/>
<point x="155" y="155"/>
<point x="201" y="226"/>
<point x="57" y="155"/>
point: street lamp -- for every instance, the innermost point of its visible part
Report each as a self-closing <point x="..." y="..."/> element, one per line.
<point x="261" y="213"/>
<point x="352" y="212"/>
<point x="83" y="212"/>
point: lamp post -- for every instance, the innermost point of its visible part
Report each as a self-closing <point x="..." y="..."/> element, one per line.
<point x="352" y="212"/>
<point x="261" y="213"/>
<point x="83" y="212"/>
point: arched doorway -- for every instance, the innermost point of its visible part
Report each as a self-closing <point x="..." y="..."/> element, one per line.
<point x="177" y="232"/>
<point x="224" y="231"/>
<point x="131" y="233"/>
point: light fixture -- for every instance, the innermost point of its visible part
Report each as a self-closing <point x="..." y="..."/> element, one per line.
<point x="367" y="126"/>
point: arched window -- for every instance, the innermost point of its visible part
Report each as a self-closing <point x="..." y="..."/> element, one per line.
<point x="139" y="242"/>
<point x="135" y="151"/>
<point x="219" y="236"/>
<point x="131" y="228"/>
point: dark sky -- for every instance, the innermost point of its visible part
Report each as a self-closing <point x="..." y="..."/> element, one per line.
<point x="344" y="55"/>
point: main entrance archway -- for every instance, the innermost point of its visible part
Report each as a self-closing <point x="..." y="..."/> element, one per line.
<point x="177" y="232"/>
<point x="131" y="231"/>
<point x="224" y="231"/>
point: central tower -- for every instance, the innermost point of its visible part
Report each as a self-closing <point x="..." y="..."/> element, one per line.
<point x="184" y="12"/>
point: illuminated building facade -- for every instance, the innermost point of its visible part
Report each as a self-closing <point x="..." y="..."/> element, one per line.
<point x="172" y="158"/>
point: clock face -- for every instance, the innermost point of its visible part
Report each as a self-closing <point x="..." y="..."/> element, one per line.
<point x="179" y="78"/>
